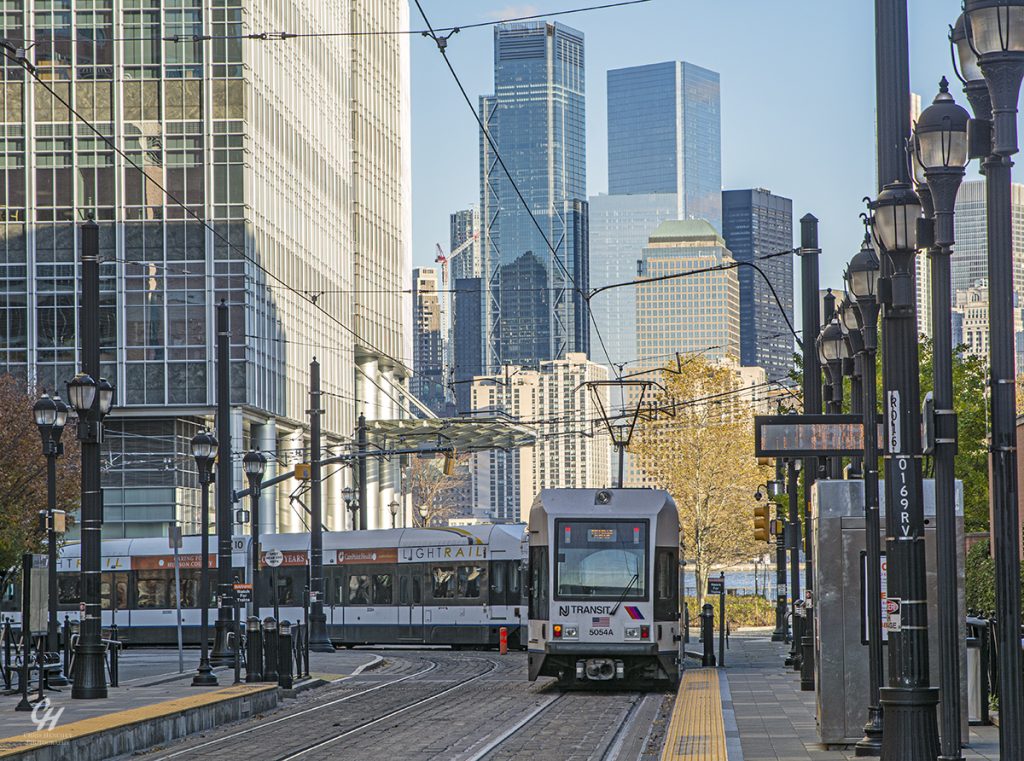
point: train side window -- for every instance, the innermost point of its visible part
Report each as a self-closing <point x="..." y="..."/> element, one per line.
<point x="444" y="582"/>
<point x="285" y="590"/>
<point x="116" y="585"/>
<point x="359" y="589"/>
<point x="666" y="583"/>
<point x="382" y="589"/>
<point x="68" y="590"/>
<point x="417" y="593"/>
<point x="515" y="587"/>
<point x="152" y="589"/>
<point x="471" y="579"/>
<point x="539" y="595"/>
<point x="340" y="591"/>
<point x="404" y="590"/>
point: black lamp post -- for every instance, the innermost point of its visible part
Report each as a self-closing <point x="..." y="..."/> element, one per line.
<point x="832" y="350"/>
<point x="853" y="366"/>
<point x="255" y="465"/>
<point x="92" y="400"/>
<point x="862" y="277"/>
<point x="204" y="450"/>
<point x="393" y="507"/>
<point x="910" y="728"/>
<point x="352" y="505"/>
<point x="422" y="510"/>
<point x="51" y="415"/>
<point x="993" y="45"/>
<point x="939" y="148"/>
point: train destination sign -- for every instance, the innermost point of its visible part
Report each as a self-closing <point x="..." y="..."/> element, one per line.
<point x="808" y="435"/>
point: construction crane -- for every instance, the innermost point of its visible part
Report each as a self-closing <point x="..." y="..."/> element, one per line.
<point x="443" y="260"/>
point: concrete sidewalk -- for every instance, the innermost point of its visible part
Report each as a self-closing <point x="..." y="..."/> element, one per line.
<point x="768" y="718"/>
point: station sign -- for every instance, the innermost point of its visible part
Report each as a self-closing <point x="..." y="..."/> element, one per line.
<point x="808" y="435"/>
<point x="273" y="558"/>
<point x="243" y="592"/>
<point x="716" y="586"/>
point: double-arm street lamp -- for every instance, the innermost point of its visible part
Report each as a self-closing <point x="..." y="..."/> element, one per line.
<point x="352" y="505"/>
<point x="92" y="401"/>
<point x="989" y="39"/>
<point x="204" y="450"/>
<point x="862" y="276"/>
<point x="51" y="415"/>
<point x="255" y="465"/>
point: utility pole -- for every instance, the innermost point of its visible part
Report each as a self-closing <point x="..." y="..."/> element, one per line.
<point x="222" y="651"/>
<point x="910" y="727"/>
<point x="781" y="633"/>
<point x="809" y="253"/>
<point x="319" y="642"/>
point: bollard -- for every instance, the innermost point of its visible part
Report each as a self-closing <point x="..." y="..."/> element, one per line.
<point x="796" y="653"/>
<point x="298" y="637"/>
<point x="114" y="649"/>
<point x="269" y="649"/>
<point x="707" y="634"/>
<point x="686" y="624"/>
<point x="503" y="640"/>
<point x="254" y="651"/>
<point x="7" y="634"/>
<point x="284" y="651"/>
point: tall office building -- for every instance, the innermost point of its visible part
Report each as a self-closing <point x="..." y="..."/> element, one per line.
<point x="619" y="229"/>
<point x="665" y="136"/>
<point x="464" y="244"/>
<point x="970" y="253"/>
<point x="534" y="279"/>
<point x="689" y="315"/>
<point x="428" y="341"/>
<point x="971" y="323"/>
<point x="466" y="334"/>
<point x="757" y="223"/>
<point x="274" y="163"/>
<point x="552" y="400"/>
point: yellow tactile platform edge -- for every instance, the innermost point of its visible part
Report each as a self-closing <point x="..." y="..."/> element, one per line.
<point x="697" y="729"/>
<point x="10" y="746"/>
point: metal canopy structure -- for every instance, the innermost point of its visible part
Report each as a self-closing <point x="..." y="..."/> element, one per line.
<point x="461" y="435"/>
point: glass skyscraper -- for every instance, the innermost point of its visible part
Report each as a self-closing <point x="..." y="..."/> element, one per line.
<point x="665" y="136"/>
<point x="758" y="223"/>
<point x="533" y="308"/>
<point x="228" y="129"/>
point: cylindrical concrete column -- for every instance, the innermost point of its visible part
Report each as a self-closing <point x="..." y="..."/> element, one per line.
<point x="265" y="439"/>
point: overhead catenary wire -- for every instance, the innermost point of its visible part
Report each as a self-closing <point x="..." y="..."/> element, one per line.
<point x="279" y="36"/>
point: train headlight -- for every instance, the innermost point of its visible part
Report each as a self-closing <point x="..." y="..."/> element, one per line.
<point x="570" y="632"/>
<point x="556" y="630"/>
<point x="645" y="632"/>
<point x="632" y="632"/>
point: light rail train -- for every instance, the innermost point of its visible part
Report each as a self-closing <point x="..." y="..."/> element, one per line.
<point x="426" y="586"/>
<point x="603" y="585"/>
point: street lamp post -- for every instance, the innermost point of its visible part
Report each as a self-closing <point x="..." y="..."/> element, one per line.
<point x="51" y="415"/>
<point x="255" y="465"/>
<point x="854" y="367"/>
<point x="832" y="351"/>
<point x="776" y="489"/>
<point x="939" y="148"/>
<point x="204" y="450"/>
<point x="352" y="505"/>
<point x="92" y="397"/>
<point x="995" y="38"/>
<point x="394" y="512"/>
<point x="862" y="280"/>
<point x="422" y="510"/>
<point x="910" y="727"/>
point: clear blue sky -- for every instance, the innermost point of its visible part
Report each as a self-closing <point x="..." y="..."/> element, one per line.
<point x="798" y="101"/>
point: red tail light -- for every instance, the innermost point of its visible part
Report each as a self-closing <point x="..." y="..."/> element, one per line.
<point x="557" y="631"/>
<point x="645" y="632"/>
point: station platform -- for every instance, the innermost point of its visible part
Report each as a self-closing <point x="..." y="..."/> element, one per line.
<point x="151" y="707"/>
<point x="754" y="710"/>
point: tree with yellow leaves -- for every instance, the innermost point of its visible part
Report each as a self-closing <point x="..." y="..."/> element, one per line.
<point x="702" y="452"/>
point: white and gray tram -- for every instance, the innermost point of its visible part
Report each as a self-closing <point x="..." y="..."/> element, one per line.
<point x="603" y="585"/>
<point x="427" y="586"/>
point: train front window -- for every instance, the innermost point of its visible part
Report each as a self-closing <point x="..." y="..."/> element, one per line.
<point x="601" y="560"/>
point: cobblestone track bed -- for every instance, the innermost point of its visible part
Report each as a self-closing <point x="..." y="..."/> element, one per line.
<point x="405" y="679"/>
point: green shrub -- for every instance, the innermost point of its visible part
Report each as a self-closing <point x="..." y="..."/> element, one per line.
<point x="740" y="610"/>
<point x="980" y="589"/>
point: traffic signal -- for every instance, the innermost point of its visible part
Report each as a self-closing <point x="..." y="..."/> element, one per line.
<point x="761" y="520"/>
<point x="303" y="471"/>
<point x="449" y="463"/>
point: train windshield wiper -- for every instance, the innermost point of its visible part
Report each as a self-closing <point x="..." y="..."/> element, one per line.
<point x="629" y="586"/>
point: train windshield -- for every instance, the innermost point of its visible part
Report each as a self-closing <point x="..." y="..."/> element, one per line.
<point x="601" y="559"/>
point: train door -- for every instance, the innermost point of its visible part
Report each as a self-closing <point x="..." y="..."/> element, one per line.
<point x="410" y="602"/>
<point x="498" y="608"/>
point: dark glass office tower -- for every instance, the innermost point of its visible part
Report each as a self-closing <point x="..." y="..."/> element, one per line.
<point x="757" y="223"/>
<point x="665" y="136"/>
<point x="532" y="309"/>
